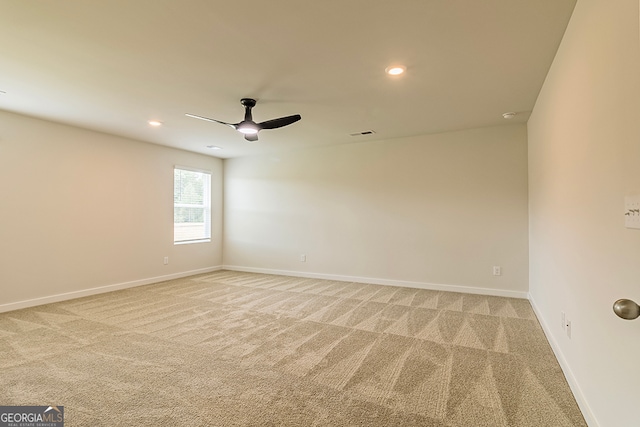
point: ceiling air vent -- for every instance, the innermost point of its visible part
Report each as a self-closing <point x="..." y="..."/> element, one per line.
<point x="363" y="133"/>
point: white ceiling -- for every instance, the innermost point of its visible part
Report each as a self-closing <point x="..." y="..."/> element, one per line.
<point x="113" y="65"/>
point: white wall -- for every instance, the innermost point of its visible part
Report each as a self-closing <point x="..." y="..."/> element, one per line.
<point x="82" y="210"/>
<point x="584" y="157"/>
<point x="437" y="209"/>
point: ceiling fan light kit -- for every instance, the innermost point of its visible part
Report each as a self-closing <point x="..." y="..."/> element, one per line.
<point x="247" y="129"/>
<point x="247" y="126"/>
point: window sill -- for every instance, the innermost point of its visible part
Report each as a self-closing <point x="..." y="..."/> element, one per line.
<point x="188" y="242"/>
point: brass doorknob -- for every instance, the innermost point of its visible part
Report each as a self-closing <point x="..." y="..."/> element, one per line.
<point x="626" y="309"/>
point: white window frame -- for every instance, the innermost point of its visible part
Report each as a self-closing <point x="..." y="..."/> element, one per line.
<point x="206" y="205"/>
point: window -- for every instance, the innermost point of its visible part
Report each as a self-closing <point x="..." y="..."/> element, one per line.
<point x="191" y="206"/>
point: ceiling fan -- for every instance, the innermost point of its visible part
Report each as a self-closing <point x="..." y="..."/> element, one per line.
<point x="250" y="128"/>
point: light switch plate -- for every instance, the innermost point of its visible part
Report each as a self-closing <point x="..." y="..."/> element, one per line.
<point x="632" y="212"/>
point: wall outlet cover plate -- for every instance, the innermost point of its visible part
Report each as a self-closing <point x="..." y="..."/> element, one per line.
<point x="632" y="212"/>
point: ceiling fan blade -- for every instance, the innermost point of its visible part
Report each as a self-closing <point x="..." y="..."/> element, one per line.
<point x="278" y="123"/>
<point x="252" y="137"/>
<point x="210" y="120"/>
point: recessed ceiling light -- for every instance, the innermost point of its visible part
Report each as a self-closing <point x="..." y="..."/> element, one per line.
<point x="214" y="147"/>
<point x="395" y="70"/>
<point x="154" y="123"/>
<point x="509" y="115"/>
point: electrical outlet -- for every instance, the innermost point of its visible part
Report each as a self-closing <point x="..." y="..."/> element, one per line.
<point x="303" y="258"/>
<point x="166" y="260"/>
<point x="569" y="328"/>
<point x="497" y="270"/>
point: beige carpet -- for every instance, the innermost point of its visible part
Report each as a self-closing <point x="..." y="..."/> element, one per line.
<point x="243" y="349"/>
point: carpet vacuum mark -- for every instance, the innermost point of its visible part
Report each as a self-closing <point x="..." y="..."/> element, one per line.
<point x="244" y="349"/>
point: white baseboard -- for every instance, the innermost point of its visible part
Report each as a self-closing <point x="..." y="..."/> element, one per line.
<point x="100" y="290"/>
<point x="566" y="369"/>
<point x="388" y="282"/>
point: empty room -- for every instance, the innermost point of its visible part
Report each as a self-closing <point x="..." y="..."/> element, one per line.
<point x="371" y="213"/>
